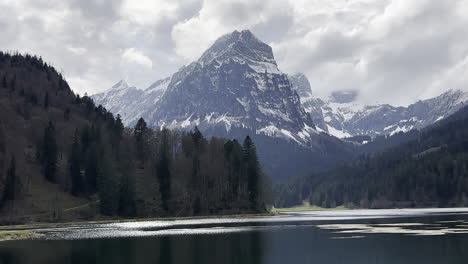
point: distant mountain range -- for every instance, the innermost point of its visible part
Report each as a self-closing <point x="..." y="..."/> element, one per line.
<point x="342" y="117"/>
<point x="235" y="89"/>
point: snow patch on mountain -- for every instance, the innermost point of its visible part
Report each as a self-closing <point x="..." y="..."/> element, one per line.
<point x="342" y="117"/>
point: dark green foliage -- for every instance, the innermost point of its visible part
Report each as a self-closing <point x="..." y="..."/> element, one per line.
<point x="13" y="84"/>
<point x="234" y="157"/>
<point x="253" y="172"/>
<point x="163" y="170"/>
<point x="127" y="202"/>
<point x="4" y="82"/>
<point x="117" y="130"/>
<point x="66" y="114"/>
<point x="91" y="169"/>
<point x="141" y="138"/>
<point x="127" y="206"/>
<point x="11" y="183"/>
<point x="46" y="100"/>
<point x="75" y="167"/>
<point x="49" y="153"/>
<point x="108" y="182"/>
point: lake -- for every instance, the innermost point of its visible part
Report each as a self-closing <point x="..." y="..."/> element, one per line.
<point x="355" y="236"/>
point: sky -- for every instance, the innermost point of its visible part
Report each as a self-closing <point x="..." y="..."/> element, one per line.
<point x="389" y="51"/>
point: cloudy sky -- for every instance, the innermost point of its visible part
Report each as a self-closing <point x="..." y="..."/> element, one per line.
<point x="391" y="51"/>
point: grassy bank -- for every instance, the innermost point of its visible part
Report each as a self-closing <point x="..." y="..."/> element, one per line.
<point x="302" y="208"/>
<point x="18" y="235"/>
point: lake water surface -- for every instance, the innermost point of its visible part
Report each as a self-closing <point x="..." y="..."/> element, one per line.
<point x="356" y="236"/>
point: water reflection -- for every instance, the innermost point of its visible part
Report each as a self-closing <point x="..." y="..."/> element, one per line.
<point x="286" y="244"/>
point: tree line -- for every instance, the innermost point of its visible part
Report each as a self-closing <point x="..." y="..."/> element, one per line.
<point x="88" y="153"/>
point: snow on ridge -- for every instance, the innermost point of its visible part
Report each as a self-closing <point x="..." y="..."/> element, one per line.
<point x="274" y="113"/>
<point x="263" y="67"/>
<point x="401" y="129"/>
<point x="273" y="131"/>
<point x="337" y="133"/>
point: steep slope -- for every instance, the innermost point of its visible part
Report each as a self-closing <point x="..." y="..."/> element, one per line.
<point x="311" y="105"/>
<point x="33" y="97"/>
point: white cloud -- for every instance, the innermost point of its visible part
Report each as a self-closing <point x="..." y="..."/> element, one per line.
<point x="218" y="17"/>
<point x="147" y="11"/>
<point x="133" y="55"/>
<point x="393" y="51"/>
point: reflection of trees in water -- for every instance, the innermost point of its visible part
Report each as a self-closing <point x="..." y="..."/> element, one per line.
<point x="230" y="248"/>
<point x="284" y="245"/>
<point x="165" y="252"/>
<point x="244" y="247"/>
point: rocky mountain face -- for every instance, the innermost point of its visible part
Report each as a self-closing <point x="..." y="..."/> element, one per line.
<point x="236" y="89"/>
<point x="235" y="84"/>
<point x="311" y="105"/>
<point x="342" y="117"/>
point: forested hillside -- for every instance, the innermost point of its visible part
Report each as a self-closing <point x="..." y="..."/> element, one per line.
<point x="429" y="170"/>
<point x="63" y="158"/>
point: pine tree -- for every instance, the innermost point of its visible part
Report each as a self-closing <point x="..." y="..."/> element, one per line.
<point x="75" y="167"/>
<point x="108" y="185"/>
<point x="66" y="114"/>
<point x="141" y="136"/>
<point x="4" y="82"/>
<point x="127" y="193"/>
<point x="91" y="169"/>
<point x="11" y="182"/>
<point x="49" y="153"/>
<point x="163" y="170"/>
<point x="197" y="139"/>
<point x="13" y="84"/>
<point x="46" y="100"/>
<point x="233" y="155"/>
<point x="118" y="128"/>
<point x="127" y="206"/>
<point x="253" y="172"/>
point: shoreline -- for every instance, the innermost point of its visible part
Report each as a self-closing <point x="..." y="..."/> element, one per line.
<point x="32" y="230"/>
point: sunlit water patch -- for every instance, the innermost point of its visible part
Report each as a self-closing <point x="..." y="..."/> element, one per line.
<point x="426" y="236"/>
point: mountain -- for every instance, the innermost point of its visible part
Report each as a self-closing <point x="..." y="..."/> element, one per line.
<point x="129" y="102"/>
<point x="113" y="98"/>
<point x="430" y="170"/>
<point x="235" y="84"/>
<point x="235" y="89"/>
<point x="343" y="117"/>
<point x="311" y="105"/>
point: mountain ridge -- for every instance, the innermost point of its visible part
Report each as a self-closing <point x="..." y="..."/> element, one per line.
<point x="342" y="117"/>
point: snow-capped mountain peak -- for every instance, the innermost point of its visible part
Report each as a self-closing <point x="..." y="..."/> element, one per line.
<point x="235" y="84"/>
<point x="241" y="44"/>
